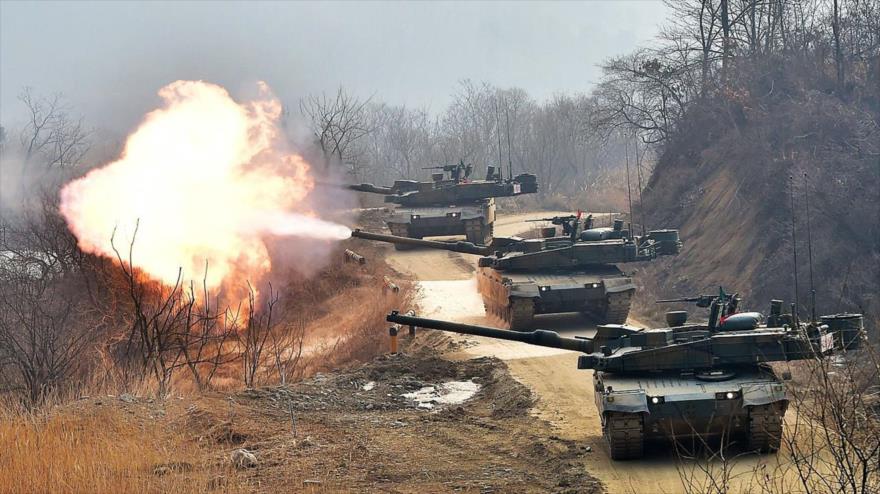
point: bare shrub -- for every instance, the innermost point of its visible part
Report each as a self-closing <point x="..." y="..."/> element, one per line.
<point x="831" y="441"/>
<point x="286" y="347"/>
<point x="48" y="323"/>
<point x="168" y="328"/>
<point x="261" y="324"/>
<point x="834" y="434"/>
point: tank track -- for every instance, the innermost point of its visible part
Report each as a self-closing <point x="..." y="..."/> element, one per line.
<point x="518" y="316"/>
<point x="625" y="435"/>
<point x="765" y="428"/>
<point x="521" y="313"/>
<point x="481" y="235"/>
<point x="616" y="308"/>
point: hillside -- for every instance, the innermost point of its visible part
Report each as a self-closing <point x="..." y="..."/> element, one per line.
<point x="725" y="179"/>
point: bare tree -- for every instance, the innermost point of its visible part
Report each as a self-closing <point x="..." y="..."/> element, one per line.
<point x="51" y="134"/>
<point x="642" y="92"/>
<point x="337" y="123"/>
<point x="48" y="325"/>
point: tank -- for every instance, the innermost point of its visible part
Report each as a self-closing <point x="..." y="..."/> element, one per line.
<point x="686" y="382"/>
<point x="450" y="204"/>
<point x="576" y="272"/>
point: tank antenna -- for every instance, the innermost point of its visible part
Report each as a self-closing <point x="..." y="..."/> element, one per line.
<point x="794" y="245"/>
<point x="639" y="157"/>
<point x="810" y="251"/>
<point x="498" y="135"/>
<point x="507" y="124"/>
<point x="843" y="287"/>
<point x="628" y="188"/>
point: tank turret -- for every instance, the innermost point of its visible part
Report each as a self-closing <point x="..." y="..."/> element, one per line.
<point x="451" y="203"/>
<point x="452" y="186"/>
<point x="688" y="380"/>
<point x="624" y="349"/>
<point x="511" y="253"/>
<point x="520" y="278"/>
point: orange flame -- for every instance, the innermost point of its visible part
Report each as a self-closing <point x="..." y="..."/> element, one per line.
<point x="199" y="184"/>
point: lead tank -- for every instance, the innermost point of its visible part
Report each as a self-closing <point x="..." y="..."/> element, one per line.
<point x="688" y="381"/>
<point x="450" y="204"/>
<point x="577" y="272"/>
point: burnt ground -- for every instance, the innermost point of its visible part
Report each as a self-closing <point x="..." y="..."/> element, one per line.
<point x="351" y="439"/>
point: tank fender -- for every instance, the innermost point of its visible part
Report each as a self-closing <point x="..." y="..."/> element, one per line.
<point x="629" y="402"/>
<point x="526" y="290"/>
<point x="763" y="394"/>
<point x="617" y="285"/>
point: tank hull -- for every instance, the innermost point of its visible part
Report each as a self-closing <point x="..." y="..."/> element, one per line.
<point x="746" y="409"/>
<point x="602" y="292"/>
<point x="474" y="221"/>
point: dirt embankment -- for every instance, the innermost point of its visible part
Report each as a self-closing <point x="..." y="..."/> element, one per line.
<point x="727" y="187"/>
<point x="352" y="431"/>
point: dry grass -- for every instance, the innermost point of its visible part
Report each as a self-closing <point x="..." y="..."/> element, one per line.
<point x="85" y="446"/>
<point x="98" y="451"/>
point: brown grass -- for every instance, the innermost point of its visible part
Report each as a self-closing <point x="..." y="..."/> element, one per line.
<point x="98" y="451"/>
<point x="85" y="446"/>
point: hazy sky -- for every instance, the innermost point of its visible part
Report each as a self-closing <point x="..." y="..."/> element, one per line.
<point x="110" y="58"/>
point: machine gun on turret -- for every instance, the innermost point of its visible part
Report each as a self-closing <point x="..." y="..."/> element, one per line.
<point x="556" y="220"/>
<point x="722" y="309"/>
<point x="701" y="300"/>
<point x="457" y="173"/>
<point x="570" y="224"/>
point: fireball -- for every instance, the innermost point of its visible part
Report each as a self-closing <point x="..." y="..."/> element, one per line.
<point x="198" y="187"/>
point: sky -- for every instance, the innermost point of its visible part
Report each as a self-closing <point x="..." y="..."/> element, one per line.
<point x="110" y="58"/>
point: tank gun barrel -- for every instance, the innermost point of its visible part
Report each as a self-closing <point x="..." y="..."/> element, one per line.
<point x="463" y="247"/>
<point x="373" y="189"/>
<point x="538" y="337"/>
<point x="707" y="299"/>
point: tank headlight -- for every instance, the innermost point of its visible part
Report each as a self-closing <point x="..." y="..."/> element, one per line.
<point x="595" y="285"/>
<point x="656" y="400"/>
<point x="729" y="395"/>
<point x="544" y="288"/>
<point x="415" y="216"/>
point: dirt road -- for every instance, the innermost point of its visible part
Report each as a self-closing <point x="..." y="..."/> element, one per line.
<point x="565" y="394"/>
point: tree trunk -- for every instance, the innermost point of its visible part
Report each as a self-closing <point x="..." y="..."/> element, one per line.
<point x="838" y="54"/>
<point x="725" y="40"/>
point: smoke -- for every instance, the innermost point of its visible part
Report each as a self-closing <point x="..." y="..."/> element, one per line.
<point x="202" y="185"/>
